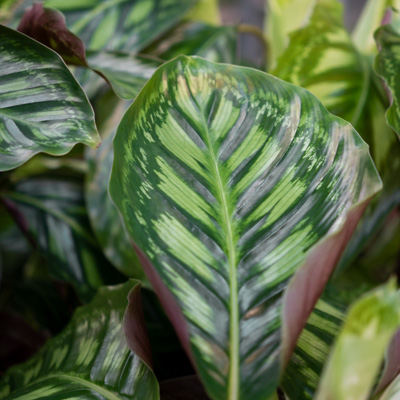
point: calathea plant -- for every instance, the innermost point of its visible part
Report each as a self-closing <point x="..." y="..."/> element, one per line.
<point x="235" y="235"/>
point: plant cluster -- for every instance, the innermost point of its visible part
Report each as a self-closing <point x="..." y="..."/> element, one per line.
<point x="213" y="229"/>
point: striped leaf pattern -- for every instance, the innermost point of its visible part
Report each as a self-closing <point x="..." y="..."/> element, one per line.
<point x="312" y="350"/>
<point x="42" y="107"/>
<point x="322" y="59"/>
<point x="128" y="25"/>
<point x="387" y="66"/>
<point x="53" y="215"/>
<point x="126" y="73"/>
<point x="104" y="217"/>
<point x="90" y="359"/>
<point x="226" y="178"/>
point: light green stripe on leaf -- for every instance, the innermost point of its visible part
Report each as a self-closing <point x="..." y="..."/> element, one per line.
<point x="227" y="225"/>
<point x="89" y="359"/>
<point x="42" y="107"/>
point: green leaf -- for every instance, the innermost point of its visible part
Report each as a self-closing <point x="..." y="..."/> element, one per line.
<point x="53" y="213"/>
<point x="104" y="217"/>
<point x="43" y="108"/>
<point x="128" y="25"/>
<point x="206" y="11"/>
<point x="281" y="18"/>
<point x="322" y="58"/>
<point x="312" y="350"/>
<point x="370" y="19"/>
<point x="89" y="359"/>
<point x="234" y="184"/>
<point x="359" y="349"/>
<point x="126" y="73"/>
<point x="387" y="66"/>
<point x="216" y="43"/>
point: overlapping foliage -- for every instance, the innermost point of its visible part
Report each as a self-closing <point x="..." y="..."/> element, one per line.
<point x="264" y="216"/>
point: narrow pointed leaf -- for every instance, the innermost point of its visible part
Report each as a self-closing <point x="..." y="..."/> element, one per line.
<point x="235" y="186"/>
<point x="89" y="359"/>
<point x="42" y="107"/>
<point x="53" y="214"/>
<point x="387" y="65"/>
<point x="355" y="360"/>
<point x="128" y="25"/>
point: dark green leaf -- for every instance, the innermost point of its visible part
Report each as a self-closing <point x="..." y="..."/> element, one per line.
<point x="43" y="109"/>
<point x="126" y="73"/>
<point x="127" y="25"/>
<point x="104" y="217"/>
<point x="53" y="213"/>
<point x="312" y="350"/>
<point x="89" y="359"/>
<point x="227" y="179"/>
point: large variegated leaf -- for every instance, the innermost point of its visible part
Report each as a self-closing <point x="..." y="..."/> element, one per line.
<point x="387" y="65"/>
<point x="358" y="352"/>
<point x="234" y="184"/>
<point x="90" y="359"/>
<point x="126" y="25"/>
<point x="52" y="213"/>
<point x="281" y="18"/>
<point x="105" y="220"/>
<point x="42" y="107"/>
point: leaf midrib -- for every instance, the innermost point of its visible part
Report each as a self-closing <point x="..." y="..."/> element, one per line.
<point x="233" y="377"/>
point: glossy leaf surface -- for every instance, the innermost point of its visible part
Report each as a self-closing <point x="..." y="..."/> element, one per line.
<point x="52" y="212"/>
<point x="127" y="25"/>
<point x="359" y="349"/>
<point x="387" y="66"/>
<point x="227" y="178"/>
<point x="43" y="109"/>
<point x="89" y="359"/>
